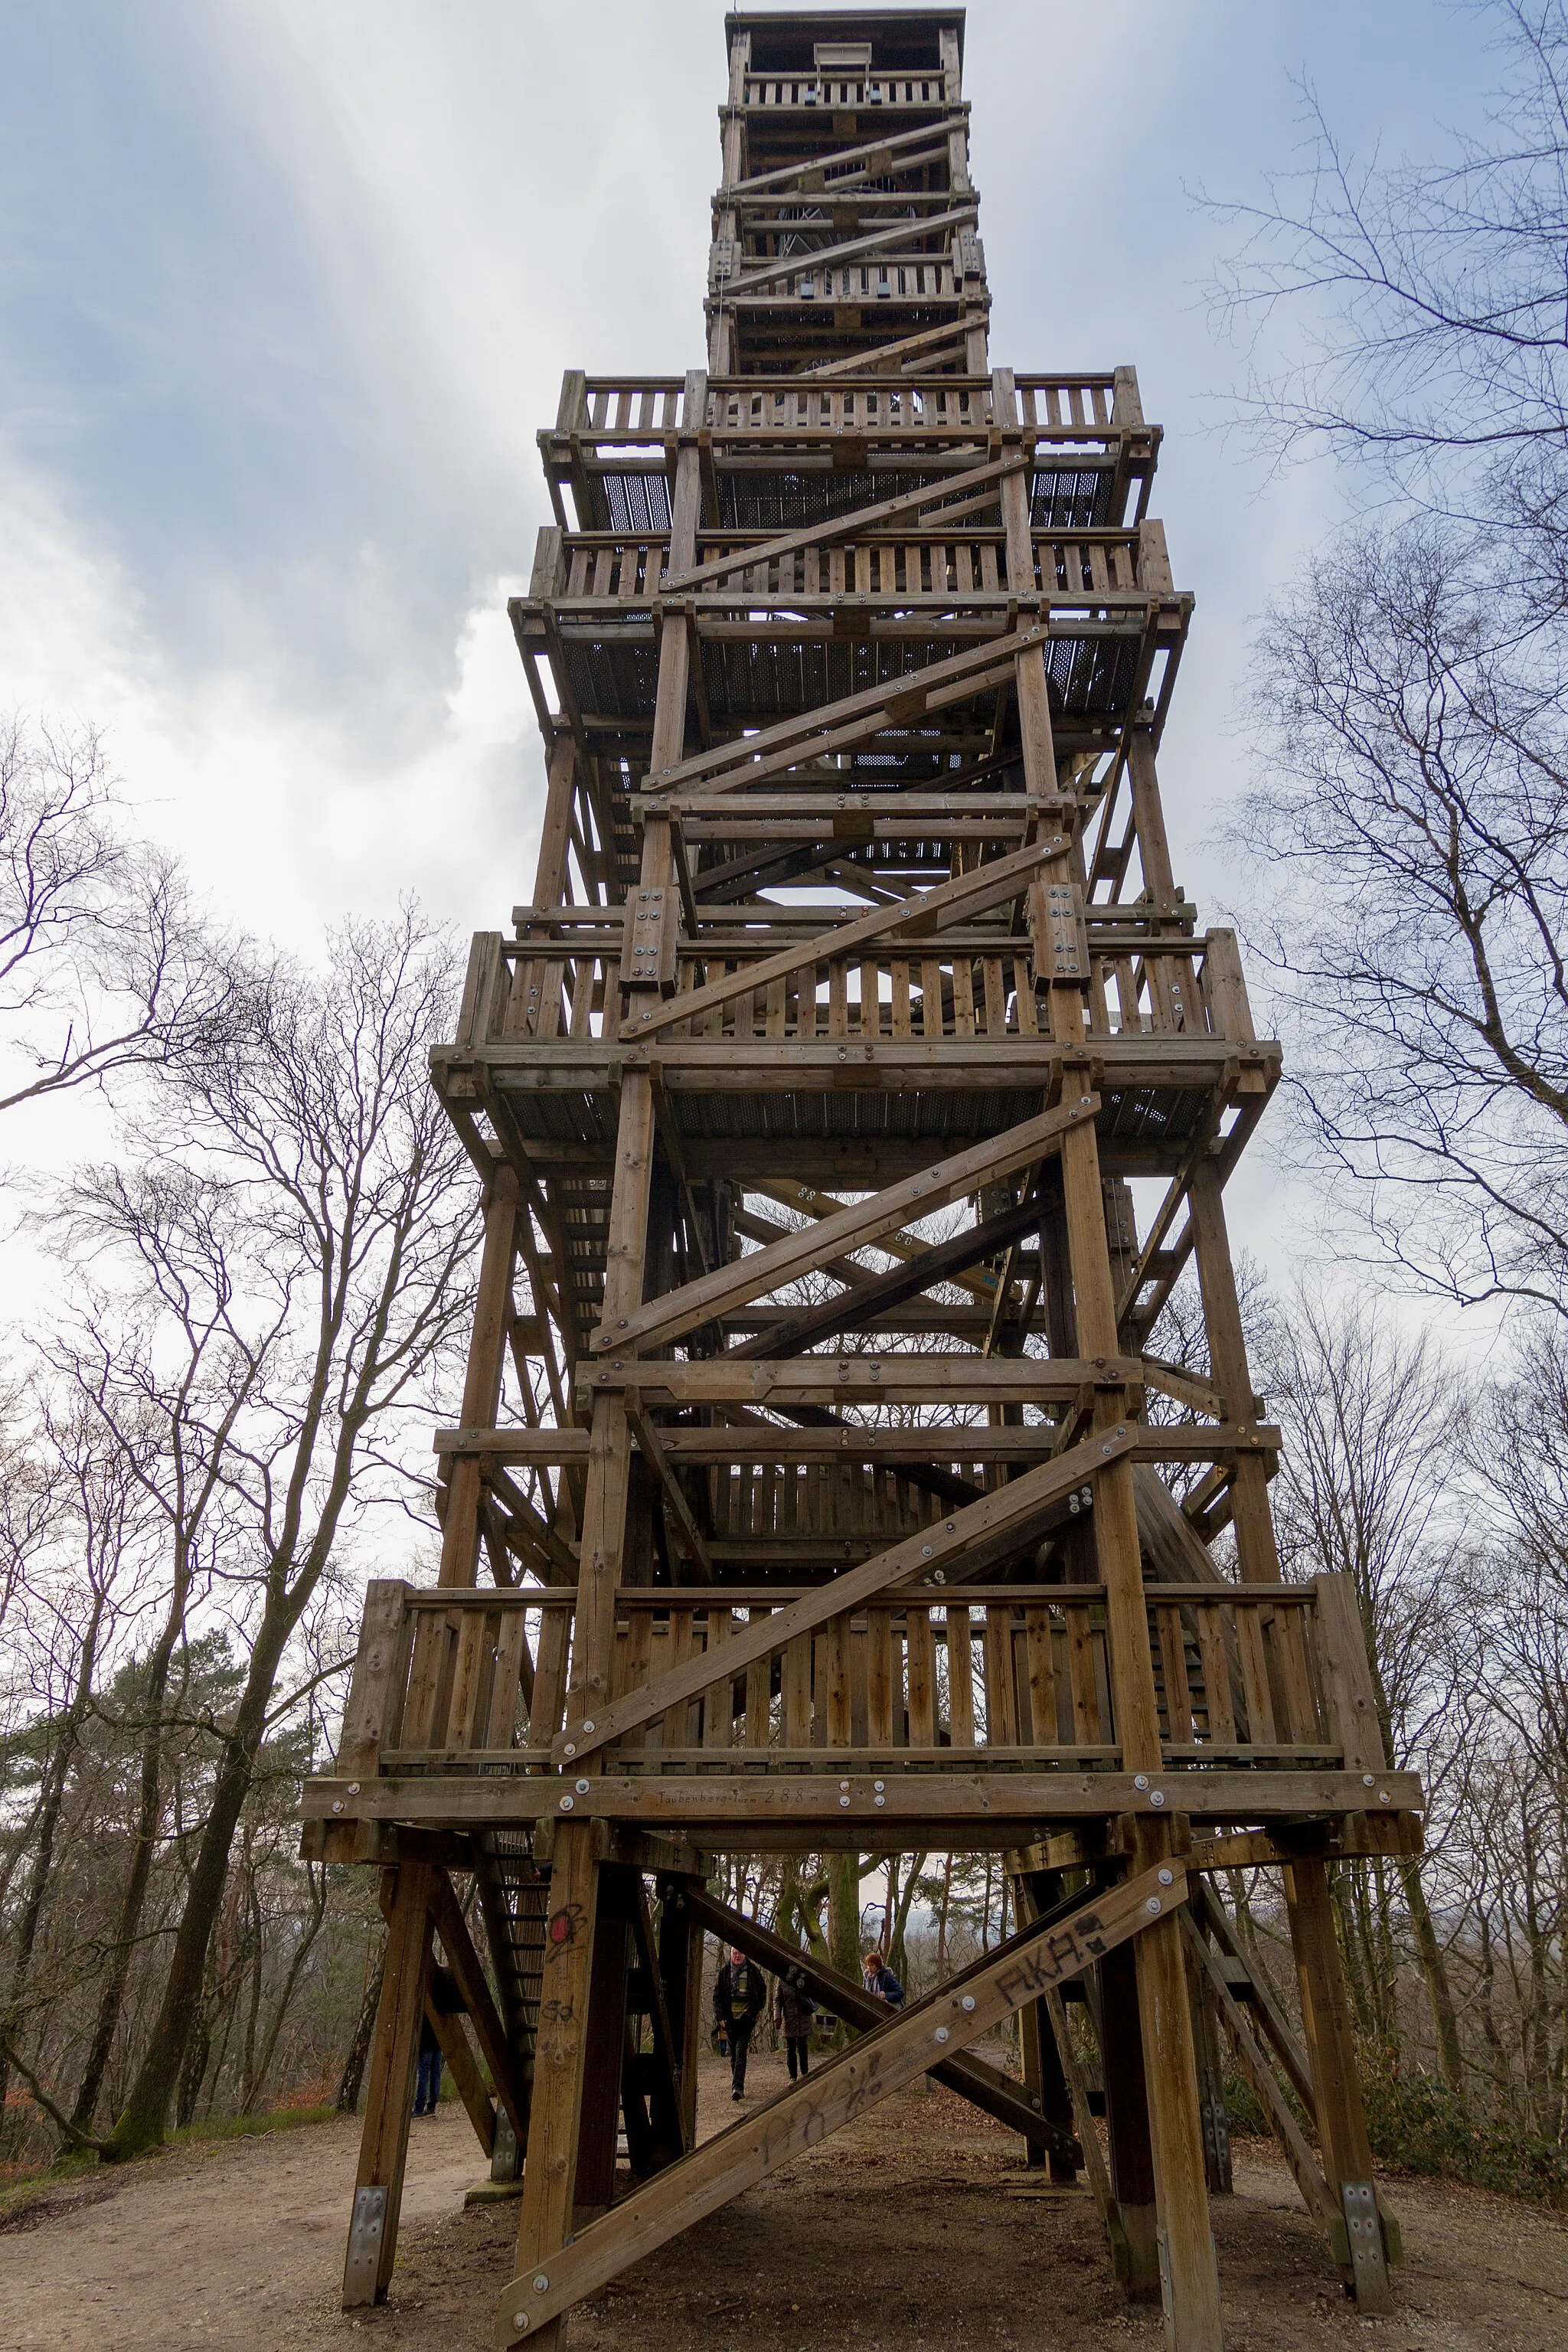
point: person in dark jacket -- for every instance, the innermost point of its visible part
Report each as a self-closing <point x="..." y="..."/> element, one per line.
<point x="880" y="1980"/>
<point x="446" y="2000"/>
<point x="794" y="2008"/>
<point x="740" y="1997"/>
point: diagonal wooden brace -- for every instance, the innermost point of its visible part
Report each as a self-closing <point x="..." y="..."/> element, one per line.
<point x="985" y="2086"/>
<point x="743" y="1279"/>
<point x="942" y="2024"/>
<point x="748" y="758"/>
<point x="906" y="918"/>
<point x="963" y="487"/>
<point x="1013" y="1505"/>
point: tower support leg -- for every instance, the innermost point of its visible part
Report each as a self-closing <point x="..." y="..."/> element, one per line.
<point x="549" y="2172"/>
<point x="383" y="2141"/>
<point x="1330" y="2048"/>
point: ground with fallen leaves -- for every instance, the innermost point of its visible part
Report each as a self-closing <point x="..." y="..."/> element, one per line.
<point x="916" y="2229"/>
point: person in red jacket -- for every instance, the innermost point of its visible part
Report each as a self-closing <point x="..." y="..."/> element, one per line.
<point x="740" y="1997"/>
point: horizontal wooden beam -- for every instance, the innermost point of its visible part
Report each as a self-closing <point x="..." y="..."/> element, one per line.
<point x="865" y="1380"/>
<point x="1007" y="1808"/>
<point x="887" y="1449"/>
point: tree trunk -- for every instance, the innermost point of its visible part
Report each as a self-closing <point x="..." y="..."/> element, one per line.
<point x="1439" y="1992"/>
<point x="51" y="1800"/>
<point x="352" y="2075"/>
<point x="112" y="2000"/>
<point x="144" y="2117"/>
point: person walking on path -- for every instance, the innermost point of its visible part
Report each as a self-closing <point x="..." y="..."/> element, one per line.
<point x="793" y="2008"/>
<point x="446" y="2000"/>
<point x="740" y="1997"/>
<point x="880" y="1980"/>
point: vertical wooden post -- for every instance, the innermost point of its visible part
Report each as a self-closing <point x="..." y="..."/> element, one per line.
<point x="681" y="1966"/>
<point x="1255" y="1544"/>
<point x="544" y="2221"/>
<point x="389" y="2098"/>
<point x="1330" y="2047"/>
<point x="1045" y="2077"/>
<point x="1189" y="2278"/>
<point x="482" y="1387"/>
<point x="1126" y="2127"/>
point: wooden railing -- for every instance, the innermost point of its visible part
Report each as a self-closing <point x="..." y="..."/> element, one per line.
<point x="870" y="405"/>
<point x="1062" y="403"/>
<point x="995" y="1676"/>
<point x="971" y="986"/>
<point x="838" y="89"/>
<point x="629" y="568"/>
<point x="932" y="278"/>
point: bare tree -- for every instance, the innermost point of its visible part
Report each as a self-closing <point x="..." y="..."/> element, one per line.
<point x="360" y="1218"/>
<point x="105" y="963"/>
<point x="1428" y="299"/>
<point x="1374" y="1425"/>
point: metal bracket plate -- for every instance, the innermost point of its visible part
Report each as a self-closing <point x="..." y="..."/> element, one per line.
<point x="362" y="2270"/>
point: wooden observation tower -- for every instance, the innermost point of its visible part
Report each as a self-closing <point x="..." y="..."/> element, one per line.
<point x="848" y="1096"/>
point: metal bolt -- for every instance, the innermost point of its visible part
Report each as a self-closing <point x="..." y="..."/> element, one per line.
<point x="1157" y="1797"/>
<point x="1383" y="1796"/>
<point x="565" y="1805"/>
<point x="519" y="2321"/>
<point x="844" y="1801"/>
<point x="1167" y="1878"/>
<point x="589" y="1725"/>
<point x="337" y="1804"/>
<point x="1366" y="1780"/>
<point x="925" y="1552"/>
<point x="880" y="1801"/>
<point x="581" y="1787"/>
<point x="570" y="1748"/>
<point x="1141" y="1779"/>
<point x="540" y="2284"/>
<point x="1152" y="1906"/>
<point x="878" y="1786"/>
<point x="941" y="2034"/>
<point x="844" y="1784"/>
<point x="968" y="2001"/>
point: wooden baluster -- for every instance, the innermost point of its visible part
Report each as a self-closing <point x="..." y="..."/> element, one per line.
<point x="759" y="1683"/>
<point x="795" y="1692"/>
<point x="470" y="1680"/>
<point x="922" y="1676"/>
<point x="550" y="1677"/>
<point x="719" y="1698"/>
<point x="635" y="1655"/>
<point x="1042" y="1680"/>
<point x="1215" y="1656"/>
<point x="1081" y="1674"/>
<point x="879" y="1677"/>
<point x="512" y="1682"/>
<point x="960" y="1678"/>
<point x="1001" y="1698"/>
<point x="840" y="1715"/>
<point x="1173" y="1668"/>
<point x="1254" y="1675"/>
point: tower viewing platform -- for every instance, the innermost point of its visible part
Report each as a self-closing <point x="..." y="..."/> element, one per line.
<point x="848" y="1096"/>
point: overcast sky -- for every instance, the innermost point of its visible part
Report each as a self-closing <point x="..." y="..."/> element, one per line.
<point x="288" y="287"/>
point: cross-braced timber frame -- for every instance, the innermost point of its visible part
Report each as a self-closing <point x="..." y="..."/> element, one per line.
<point x="813" y="1444"/>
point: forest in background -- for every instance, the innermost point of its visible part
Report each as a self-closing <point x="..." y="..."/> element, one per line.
<point x="215" y="1419"/>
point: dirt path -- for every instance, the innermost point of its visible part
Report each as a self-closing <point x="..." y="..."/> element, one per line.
<point x="240" y="2246"/>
